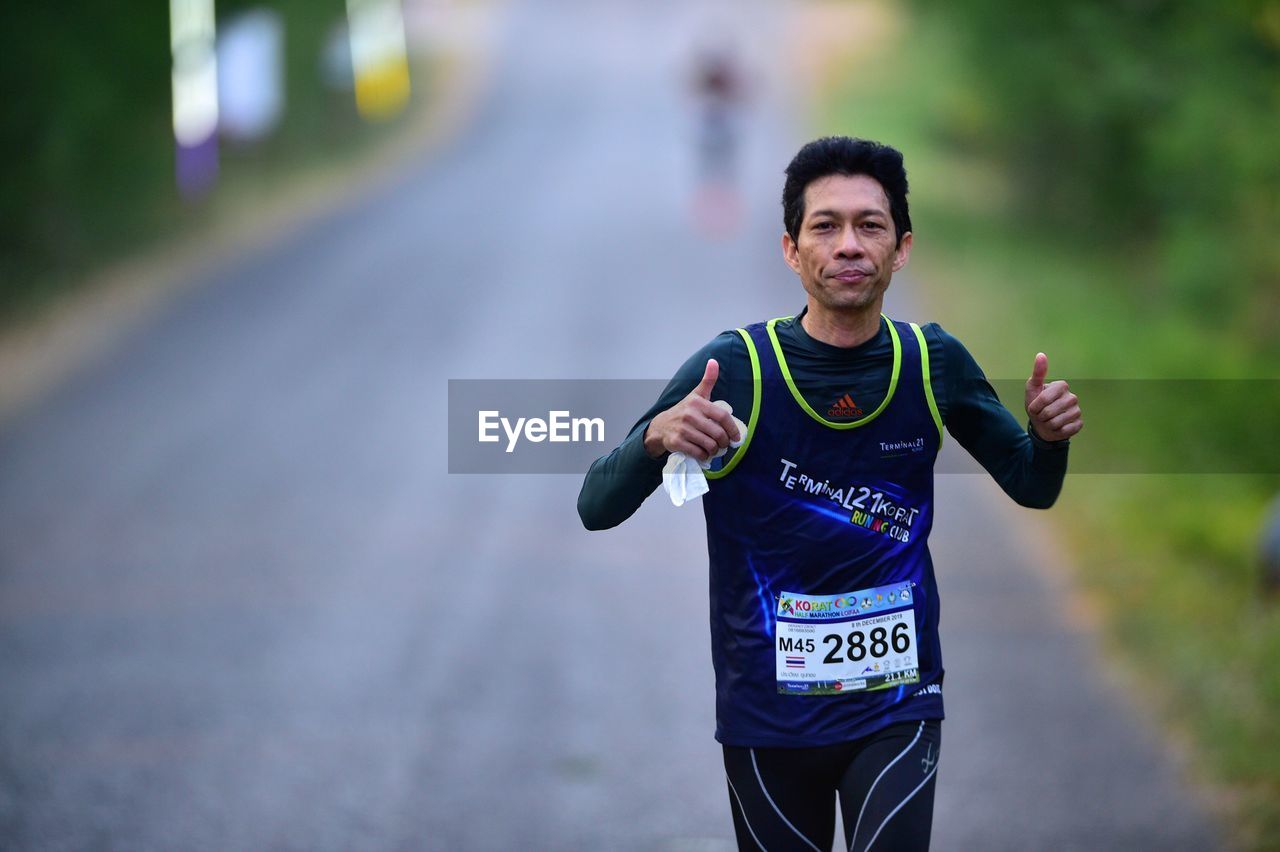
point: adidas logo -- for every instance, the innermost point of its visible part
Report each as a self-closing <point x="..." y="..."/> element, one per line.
<point x="844" y="407"/>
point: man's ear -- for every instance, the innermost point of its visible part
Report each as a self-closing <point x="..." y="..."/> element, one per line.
<point x="903" y="252"/>
<point x="790" y="253"/>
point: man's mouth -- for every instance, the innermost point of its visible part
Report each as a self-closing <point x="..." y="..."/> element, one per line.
<point x="851" y="276"/>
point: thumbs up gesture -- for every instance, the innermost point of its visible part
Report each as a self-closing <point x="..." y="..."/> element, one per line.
<point x="694" y="426"/>
<point x="1054" y="411"/>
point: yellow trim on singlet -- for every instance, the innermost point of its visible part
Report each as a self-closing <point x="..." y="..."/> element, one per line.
<point x="755" y="410"/>
<point x="795" y="392"/>
<point x="928" y="382"/>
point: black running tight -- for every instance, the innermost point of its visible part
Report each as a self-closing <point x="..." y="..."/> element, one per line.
<point x="783" y="798"/>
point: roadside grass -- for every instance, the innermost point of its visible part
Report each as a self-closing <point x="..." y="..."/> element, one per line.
<point x="1169" y="559"/>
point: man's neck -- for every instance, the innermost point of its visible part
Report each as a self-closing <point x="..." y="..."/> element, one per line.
<point x="843" y="329"/>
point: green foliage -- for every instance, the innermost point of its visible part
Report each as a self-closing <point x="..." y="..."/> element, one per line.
<point x="87" y="136"/>
<point x="92" y="88"/>
<point x="1147" y="125"/>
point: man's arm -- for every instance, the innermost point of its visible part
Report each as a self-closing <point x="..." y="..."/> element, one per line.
<point x="1029" y="469"/>
<point x="618" y="483"/>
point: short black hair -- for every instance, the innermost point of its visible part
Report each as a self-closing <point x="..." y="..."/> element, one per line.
<point x="844" y="155"/>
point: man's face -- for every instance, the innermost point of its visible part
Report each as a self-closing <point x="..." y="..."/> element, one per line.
<point x="847" y="250"/>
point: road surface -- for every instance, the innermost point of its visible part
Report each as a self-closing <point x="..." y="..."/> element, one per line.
<point x="243" y="605"/>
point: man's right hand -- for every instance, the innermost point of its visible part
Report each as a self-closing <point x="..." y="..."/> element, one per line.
<point x="693" y="426"/>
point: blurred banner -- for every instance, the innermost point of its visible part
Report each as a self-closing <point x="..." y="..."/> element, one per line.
<point x="1134" y="426"/>
<point x="250" y="75"/>
<point x="195" y="94"/>
<point x="378" y="57"/>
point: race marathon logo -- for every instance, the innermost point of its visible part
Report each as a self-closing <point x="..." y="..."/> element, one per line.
<point x="840" y="605"/>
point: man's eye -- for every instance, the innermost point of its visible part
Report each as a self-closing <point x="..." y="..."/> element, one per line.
<point x="823" y="226"/>
<point x="873" y="226"/>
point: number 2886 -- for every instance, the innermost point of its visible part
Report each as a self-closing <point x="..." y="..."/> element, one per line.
<point x="857" y="645"/>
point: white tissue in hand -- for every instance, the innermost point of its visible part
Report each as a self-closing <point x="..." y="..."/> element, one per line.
<point x="682" y="477"/>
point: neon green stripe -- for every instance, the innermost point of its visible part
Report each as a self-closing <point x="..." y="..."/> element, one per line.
<point x="928" y="382"/>
<point x="791" y="385"/>
<point x="755" y="410"/>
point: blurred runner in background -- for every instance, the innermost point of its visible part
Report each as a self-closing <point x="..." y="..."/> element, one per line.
<point x="719" y="90"/>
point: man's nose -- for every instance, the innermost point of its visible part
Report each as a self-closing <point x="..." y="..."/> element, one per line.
<point x="849" y="245"/>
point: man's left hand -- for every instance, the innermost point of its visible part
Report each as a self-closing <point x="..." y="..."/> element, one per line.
<point x="1054" y="410"/>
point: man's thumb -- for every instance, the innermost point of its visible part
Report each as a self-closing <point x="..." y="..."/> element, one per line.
<point x="1039" y="371"/>
<point x="708" y="379"/>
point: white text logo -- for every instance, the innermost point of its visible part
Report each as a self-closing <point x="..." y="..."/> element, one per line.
<point x="560" y="427"/>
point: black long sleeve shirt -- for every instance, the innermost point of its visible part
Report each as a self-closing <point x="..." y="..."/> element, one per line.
<point x="830" y="378"/>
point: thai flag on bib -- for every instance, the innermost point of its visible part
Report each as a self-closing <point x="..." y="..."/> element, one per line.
<point x="795" y="662"/>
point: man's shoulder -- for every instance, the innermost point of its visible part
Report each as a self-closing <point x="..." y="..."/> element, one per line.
<point x="725" y="347"/>
<point x="952" y="355"/>
<point x="725" y="341"/>
<point x="781" y="322"/>
<point x="931" y="330"/>
<point x="939" y="338"/>
<point x="732" y="338"/>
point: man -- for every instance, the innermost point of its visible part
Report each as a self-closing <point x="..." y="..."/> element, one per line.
<point x="824" y="608"/>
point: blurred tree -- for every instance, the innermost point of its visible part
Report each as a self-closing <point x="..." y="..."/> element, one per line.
<point x="87" y="128"/>
<point x="1150" y="124"/>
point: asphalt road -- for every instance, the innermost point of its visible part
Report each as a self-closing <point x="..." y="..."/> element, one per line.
<point x="243" y="605"/>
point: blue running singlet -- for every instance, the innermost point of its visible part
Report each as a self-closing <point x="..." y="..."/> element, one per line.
<point x="824" y="608"/>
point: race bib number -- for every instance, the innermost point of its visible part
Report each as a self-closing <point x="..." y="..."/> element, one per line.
<point x="856" y="642"/>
